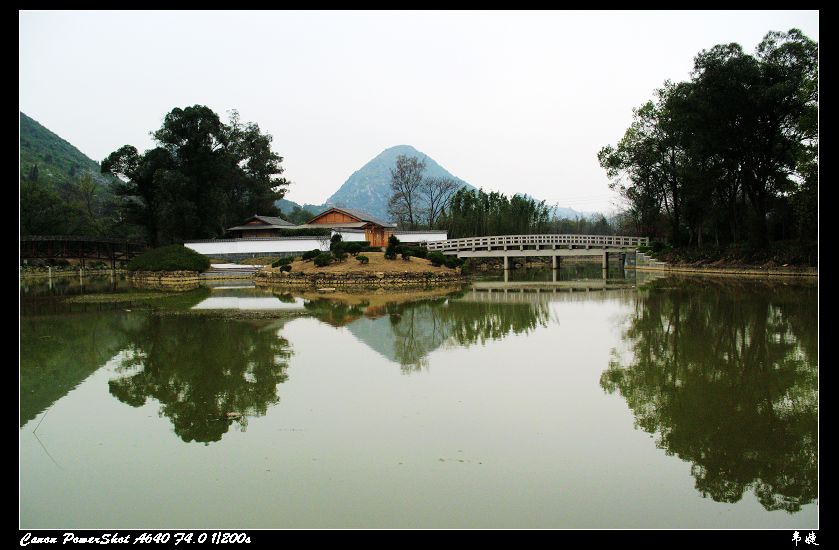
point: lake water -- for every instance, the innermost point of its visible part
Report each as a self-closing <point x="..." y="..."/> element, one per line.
<point x="666" y="403"/>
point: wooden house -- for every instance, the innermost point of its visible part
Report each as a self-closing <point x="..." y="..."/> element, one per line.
<point x="375" y="230"/>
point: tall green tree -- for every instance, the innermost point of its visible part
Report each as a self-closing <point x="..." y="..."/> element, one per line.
<point x="203" y="176"/>
<point x="733" y="151"/>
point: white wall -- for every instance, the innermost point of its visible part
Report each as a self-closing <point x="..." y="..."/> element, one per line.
<point x="351" y="236"/>
<point x="425" y="236"/>
<point x="259" y="246"/>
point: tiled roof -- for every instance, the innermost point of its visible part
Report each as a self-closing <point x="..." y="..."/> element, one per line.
<point x="270" y="221"/>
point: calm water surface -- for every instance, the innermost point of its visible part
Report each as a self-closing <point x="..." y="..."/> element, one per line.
<point x="677" y="402"/>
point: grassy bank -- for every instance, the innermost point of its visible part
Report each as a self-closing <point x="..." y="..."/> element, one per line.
<point x="778" y="255"/>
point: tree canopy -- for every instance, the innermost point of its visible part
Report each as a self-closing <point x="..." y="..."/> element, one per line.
<point x="203" y="176"/>
<point x="731" y="153"/>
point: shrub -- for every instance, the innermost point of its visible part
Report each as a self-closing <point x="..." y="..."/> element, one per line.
<point x="285" y="267"/>
<point x="437" y="258"/>
<point x="323" y="259"/>
<point x="657" y="246"/>
<point x="175" y="257"/>
<point x="419" y="252"/>
<point x="406" y="256"/>
<point x="468" y="266"/>
<point x="336" y="243"/>
<point x="353" y="247"/>
<point x="314" y="253"/>
<point x="340" y="255"/>
<point x="393" y="248"/>
<point x="371" y="249"/>
<point x="363" y="259"/>
<point x="453" y="262"/>
<point x="283" y="261"/>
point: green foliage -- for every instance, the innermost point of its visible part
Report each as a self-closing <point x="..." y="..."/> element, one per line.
<point x="468" y="266"/>
<point x="362" y="259"/>
<point x="406" y="256"/>
<point x="418" y="251"/>
<point x="285" y="267"/>
<point x="314" y="253"/>
<point x="340" y="255"/>
<point x="657" y="247"/>
<point x="202" y="177"/>
<point x="62" y="191"/>
<point x="718" y="408"/>
<point x="286" y="260"/>
<point x="355" y="247"/>
<point x="730" y="154"/>
<point x="174" y="257"/>
<point x="393" y="248"/>
<point x="336" y="243"/>
<point x="371" y="249"/>
<point x="453" y="262"/>
<point x="298" y="215"/>
<point x="476" y="213"/>
<point x="437" y="258"/>
<point x="323" y="259"/>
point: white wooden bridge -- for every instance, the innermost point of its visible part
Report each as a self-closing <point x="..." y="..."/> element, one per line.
<point x="555" y="246"/>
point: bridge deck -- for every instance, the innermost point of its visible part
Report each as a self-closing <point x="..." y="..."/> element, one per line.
<point x="536" y="245"/>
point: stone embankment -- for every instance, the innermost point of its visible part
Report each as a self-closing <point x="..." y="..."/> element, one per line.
<point x="170" y="280"/>
<point x="380" y="279"/>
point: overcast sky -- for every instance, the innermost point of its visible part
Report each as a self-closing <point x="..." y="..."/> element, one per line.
<point x="508" y="101"/>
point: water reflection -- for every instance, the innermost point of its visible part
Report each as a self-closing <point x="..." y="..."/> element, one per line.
<point x="726" y="374"/>
<point x="408" y="332"/>
<point x="58" y="353"/>
<point x="205" y="373"/>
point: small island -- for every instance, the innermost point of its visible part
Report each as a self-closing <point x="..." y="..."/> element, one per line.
<point x="376" y="272"/>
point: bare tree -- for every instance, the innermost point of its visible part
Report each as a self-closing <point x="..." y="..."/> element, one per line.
<point x="397" y="209"/>
<point x="437" y="192"/>
<point x="405" y="181"/>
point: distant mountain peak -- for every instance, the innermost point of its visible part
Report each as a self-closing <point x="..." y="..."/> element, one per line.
<point x="368" y="188"/>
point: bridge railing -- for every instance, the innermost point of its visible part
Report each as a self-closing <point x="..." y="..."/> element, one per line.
<point x="542" y="240"/>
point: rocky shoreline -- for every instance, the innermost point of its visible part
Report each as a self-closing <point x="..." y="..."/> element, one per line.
<point x="750" y="271"/>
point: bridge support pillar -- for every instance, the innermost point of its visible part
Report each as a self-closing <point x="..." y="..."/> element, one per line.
<point x="605" y="261"/>
<point x="506" y="264"/>
<point x="554" y="262"/>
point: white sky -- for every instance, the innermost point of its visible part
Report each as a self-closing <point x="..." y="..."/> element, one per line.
<point x="517" y="102"/>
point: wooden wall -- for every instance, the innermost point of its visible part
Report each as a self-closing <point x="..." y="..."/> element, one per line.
<point x="335" y="217"/>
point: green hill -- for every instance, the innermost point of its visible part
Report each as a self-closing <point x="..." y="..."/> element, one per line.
<point x="56" y="159"/>
<point x="62" y="191"/>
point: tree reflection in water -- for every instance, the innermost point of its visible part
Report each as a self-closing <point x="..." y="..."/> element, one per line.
<point x="726" y="374"/>
<point x="206" y="374"/>
<point x="407" y="332"/>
